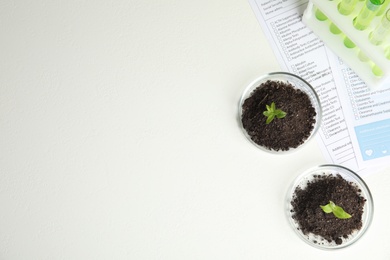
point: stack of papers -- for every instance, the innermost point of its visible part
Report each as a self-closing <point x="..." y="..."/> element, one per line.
<point x="355" y="128"/>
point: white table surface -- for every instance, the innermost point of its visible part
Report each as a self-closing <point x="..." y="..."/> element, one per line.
<point x="119" y="137"/>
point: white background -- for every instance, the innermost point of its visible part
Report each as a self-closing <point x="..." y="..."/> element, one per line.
<point x="119" y="137"/>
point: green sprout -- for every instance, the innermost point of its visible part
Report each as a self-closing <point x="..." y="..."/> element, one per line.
<point x="272" y="112"/>
<point x="336" y="210"/>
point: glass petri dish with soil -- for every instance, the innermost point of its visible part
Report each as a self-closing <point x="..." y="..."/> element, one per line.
<point x="316" y="189"/>
<point x="279" y="112"/>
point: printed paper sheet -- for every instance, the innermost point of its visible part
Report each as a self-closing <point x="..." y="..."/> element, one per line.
<point x="355" y="128"/>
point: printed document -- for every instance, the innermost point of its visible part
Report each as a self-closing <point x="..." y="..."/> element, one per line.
<point x="355" y="129"/>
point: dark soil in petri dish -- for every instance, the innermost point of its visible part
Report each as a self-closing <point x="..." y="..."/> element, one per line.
<point x="310" y="217"/>
<point x="284" y="133"/>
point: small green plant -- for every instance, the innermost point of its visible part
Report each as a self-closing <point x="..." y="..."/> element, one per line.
<point x="272" y="112"/>
<point x="336" y="210"/>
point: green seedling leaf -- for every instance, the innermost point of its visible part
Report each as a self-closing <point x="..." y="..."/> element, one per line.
<point x="280" y="114"/>
<point x="337" y="210"/>
<point x="272" y="112"/>
<point x="340" y="213"/>
<point x="327" y="208"/>
<point x="270" y="118"/>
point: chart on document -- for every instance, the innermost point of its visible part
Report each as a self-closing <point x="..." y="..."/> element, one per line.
<point x="368" y="115"/>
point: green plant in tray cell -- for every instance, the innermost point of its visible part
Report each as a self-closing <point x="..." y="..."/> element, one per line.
<point x="272" y="112"/>
<point x="336" y="210"/>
